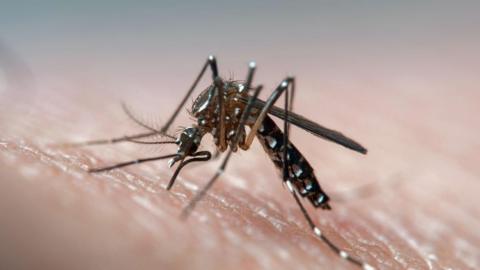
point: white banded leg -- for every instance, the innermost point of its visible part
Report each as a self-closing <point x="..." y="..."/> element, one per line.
<point x="341" y="253"/>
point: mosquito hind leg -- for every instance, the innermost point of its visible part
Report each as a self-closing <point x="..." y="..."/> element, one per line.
<point x="341" y="253"/>
<point x="286" y="178"/>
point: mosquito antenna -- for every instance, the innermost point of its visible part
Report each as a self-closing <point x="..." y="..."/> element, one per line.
<point x="131" y="138"/>
<point x="142" y="124"/>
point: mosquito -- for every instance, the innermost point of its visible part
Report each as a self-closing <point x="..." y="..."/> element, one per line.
<point x="224" y="109"/>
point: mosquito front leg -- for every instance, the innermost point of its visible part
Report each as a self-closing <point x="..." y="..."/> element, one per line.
<point x="287" y="178"/>
<point x="212" y="62"/>
<point x="128" y="163"/>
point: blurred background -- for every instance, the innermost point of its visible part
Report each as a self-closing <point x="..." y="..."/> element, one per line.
<point x="401" y="77"/>
<point x="322" y="42"/>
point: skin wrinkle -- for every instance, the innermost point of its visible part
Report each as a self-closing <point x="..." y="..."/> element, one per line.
<point x="125" y="219"/>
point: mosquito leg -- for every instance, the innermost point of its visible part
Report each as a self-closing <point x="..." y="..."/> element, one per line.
<point x="343" y="254"/>
<point x="111" y="141"/>
<point x="212" y="62"/>
<point x="128" y="163"/>
<point x="206" y="156"/>
<point x="251" y="71"/>
<point x="152" y="142"/>
<point x="286" y="131"/>
<point x="248" y="108"/>
<point x="291" y="97"/>
<point x="286" y="178"/>
<point x="246" y="112"/>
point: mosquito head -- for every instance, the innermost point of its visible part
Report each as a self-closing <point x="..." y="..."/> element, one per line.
<point x="188" y="143"/>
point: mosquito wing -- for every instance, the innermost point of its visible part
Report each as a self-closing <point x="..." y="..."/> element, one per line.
<point x="312" y="127"/>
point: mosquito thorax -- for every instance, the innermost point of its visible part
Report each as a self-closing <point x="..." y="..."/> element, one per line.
<point x="206" y="110"/>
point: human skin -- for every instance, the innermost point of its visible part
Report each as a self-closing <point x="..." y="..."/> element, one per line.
<point x="55" y="215"/>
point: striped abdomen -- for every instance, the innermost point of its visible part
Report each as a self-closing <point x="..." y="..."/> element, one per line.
<point x="299" y="170"/>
